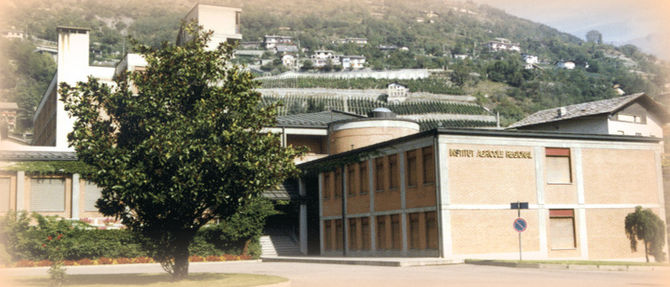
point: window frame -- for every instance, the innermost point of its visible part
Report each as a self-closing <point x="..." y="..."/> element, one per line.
<point x="562" y="214"/>
<point x="553" y="153"/>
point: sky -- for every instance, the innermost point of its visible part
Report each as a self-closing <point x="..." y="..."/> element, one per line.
<point x="641" y="22"/>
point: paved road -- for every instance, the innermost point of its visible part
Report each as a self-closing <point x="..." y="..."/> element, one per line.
<point x="303" y="275"/>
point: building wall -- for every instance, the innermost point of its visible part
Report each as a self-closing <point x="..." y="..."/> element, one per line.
<point x="587" y="125"/>
<point x="351" y="135"/>
<point x="650" y="126"/>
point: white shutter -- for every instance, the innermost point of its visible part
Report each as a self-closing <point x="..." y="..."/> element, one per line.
<point x="47" y="194"/>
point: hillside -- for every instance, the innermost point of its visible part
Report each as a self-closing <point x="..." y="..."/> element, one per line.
<point x="432" y="31"/>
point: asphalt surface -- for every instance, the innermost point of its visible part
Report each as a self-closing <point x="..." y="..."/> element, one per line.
<point x="303" y="274"/>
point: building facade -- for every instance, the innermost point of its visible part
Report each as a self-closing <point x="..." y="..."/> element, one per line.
<point x="447" y="193"/>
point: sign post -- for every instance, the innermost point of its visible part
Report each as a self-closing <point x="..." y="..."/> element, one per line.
<point x="520" y="224"/>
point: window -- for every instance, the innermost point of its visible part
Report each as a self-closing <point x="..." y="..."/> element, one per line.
<point x="393" y="171"/>
<point x="381" y="232"/>
<point x="338" y="184"/>
<point x="410" y="170"/>
<point x="562" y="228"/>
<point x="338" y="234"/>
<point x="47" y="194"/>
<point x="91" y="194"/>
<point x="428" y="165"/>
<point x="327" y="235"/>
<point x="351" y="180"/>
<point x="5" y="190"/>
<point x="365" y="234"/>
<point x="414" y="231"/>
<point x="431" y="230"/>
<point x="326" y="185"/>
<point x="379" y="174"/>
<point x="558" y="165"/>
<point x="396" y="241"/>
<point x="353" y="244"/>
<point x="363" y="173"/>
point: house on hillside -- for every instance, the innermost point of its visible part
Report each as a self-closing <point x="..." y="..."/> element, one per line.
<point x="635" y="115"/>
<point x="530" y="61"/>
<point x="567" y="65"/>
<point x="321" y="58"/>
<point x="8" y="114"/>
<point x="351" y="40"/>
<point x="397" y="93"/>
<point x="288" y="60"/>
<point x="271" y="41"/>
<point x="502" y="44"/>
<point x="353" y="62"/>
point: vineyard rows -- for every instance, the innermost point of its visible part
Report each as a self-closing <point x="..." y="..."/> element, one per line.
<point x="429" y="85"/>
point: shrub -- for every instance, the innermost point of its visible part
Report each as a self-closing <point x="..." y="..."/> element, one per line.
<point x="105" y="260"/>
<point x="124" y="260"/>
<point x="85" y="261"/>
<point x="196" y="258"/>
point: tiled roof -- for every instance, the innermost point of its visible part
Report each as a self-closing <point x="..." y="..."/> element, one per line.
<point x="584" y="109"/>
<point x="37" y="155"/>
<point x="314" y="120"/>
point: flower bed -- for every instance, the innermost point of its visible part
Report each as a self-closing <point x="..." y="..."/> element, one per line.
<point x="123" y="260"/>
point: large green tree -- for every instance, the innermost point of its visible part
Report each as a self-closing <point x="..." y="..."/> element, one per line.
<point x="177" y="145"/>
<point x="645" y="225"/>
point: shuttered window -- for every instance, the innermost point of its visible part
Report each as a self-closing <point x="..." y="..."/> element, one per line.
<point x="411" y="169"/>
<point x="558" y="165"/>
<point x="5" y="188"/>
<point x="91" y="194"/>
<point x="47" y="194"/>
<point x="562" y="228"/>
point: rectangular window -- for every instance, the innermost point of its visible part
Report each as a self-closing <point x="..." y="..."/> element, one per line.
<point x="379" y="174"/>
<point x="365" y="233"/>
<point x="393" y="171"/>
<point x="381" y="232"/>
<point x="562" y="228"/>
<point x="326" y="185"/>
<point x="5" y="191"/>
<point x="414" y="231"/>
<point x="363" y="173"/>
<point x="410" y="169"/>
<point x="558" y="165"/>
<point x="396" y="239"/>
<point x="338" y="184"/>
<point x="431" y="230"/>
<point x="338" y="234"/>
<point x="351" y="180"/>
<point x="353" y="245"/>
<point x="327" y="235"/>
<point x="428" y="165"/>
<point x="91" y="194"/>
<point x="47" y="194"/>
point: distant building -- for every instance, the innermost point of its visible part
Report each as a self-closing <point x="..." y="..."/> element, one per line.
<point x="353" y="62"/>
<point x="635" y="115"/>
<point x="321" y="57"/>
<point x="502" y="44"/>
<point x="12" y="34"/>
<point x="271" y="41"/>
<point x="223" y="21"/>
<point x="358" y="41"/>
<point x="250" y="45"/>
<point x="8" y="114"/>
<point x="530" y="61"/>
<point x="460" y="56"/>
<point x="568" y="65"/>
<point x="281" y="48"/>
<point x="388" y="47"/>
<point x="396" y="93"/>
<point x="288" y="60"/>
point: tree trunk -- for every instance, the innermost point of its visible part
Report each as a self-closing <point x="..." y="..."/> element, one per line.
<point x="646" y="253"/>
<point x="181" y="255"/>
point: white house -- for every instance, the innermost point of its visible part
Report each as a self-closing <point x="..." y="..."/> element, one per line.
<point x="396" y="93"/>
<point x="223" y="21"/>
<point x="635" y="115"/>
<point x="288" y="60"/>
<point x="321" y="57"/>
<point x="353" y="62"/>
<point x="271" y="41"/>
<point x="568" y="65"/>
<point x="502" y="44"/>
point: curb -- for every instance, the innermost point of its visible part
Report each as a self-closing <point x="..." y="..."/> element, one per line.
<point x="563" y="266"/>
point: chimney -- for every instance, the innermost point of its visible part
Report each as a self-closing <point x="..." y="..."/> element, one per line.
<point x="562" y="111"/>
<point x="72" y="54"/>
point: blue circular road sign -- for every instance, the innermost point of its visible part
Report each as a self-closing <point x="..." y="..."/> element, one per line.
<point x="520" y="224"/>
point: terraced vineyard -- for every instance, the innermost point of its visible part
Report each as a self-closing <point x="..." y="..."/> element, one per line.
<point x="433" y="85"/>
<point x="362" y="106"/>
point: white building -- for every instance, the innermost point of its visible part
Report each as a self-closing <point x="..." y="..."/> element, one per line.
<point x="502" y="44"/>
<point x="358" y="41"/>
<point x="223" y="21"/>
<point x="353" y="62"/>
<point x="271" y="41"/>
<point x="288" y="60"/>
<point x="321" y="58"/>
<point x="635" y="115"/>
<point x="396" y="93"/>
<point x="568" y="65"/>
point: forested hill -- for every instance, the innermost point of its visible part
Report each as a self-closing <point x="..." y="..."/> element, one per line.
<point x="434" y="31"/>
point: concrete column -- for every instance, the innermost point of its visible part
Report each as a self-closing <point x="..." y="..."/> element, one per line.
<point x="302" y="225"/>
<point x="373" y="222"/>
<point x="75" y="197"/>
<point x="403" y="202"/>
<point x="321" y="235"/>
<point x="20" y="190"/>
<point x="581" y="211"/>
<point x="541" y="210"/>
<point x="443" y="201"/>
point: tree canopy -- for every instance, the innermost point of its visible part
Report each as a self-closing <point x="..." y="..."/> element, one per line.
<point x="645" y="225"/>
<point x="177" y="145"/>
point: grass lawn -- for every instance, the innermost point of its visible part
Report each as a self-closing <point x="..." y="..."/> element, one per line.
<point x="149" y="280"/>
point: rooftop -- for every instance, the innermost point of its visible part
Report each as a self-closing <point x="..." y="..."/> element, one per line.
<point x="607" y="106"/>
<point x="315" y="120"/>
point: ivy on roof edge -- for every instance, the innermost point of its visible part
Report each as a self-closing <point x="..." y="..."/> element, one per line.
<point x="51" y="167"/>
